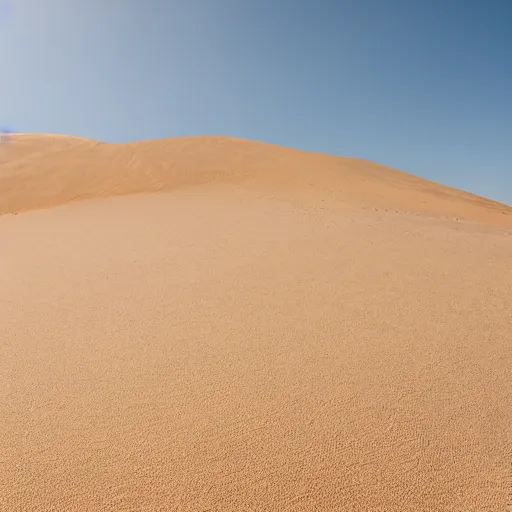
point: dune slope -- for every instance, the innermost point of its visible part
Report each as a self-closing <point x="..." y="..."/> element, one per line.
<point x="40" y="171"/>
<point x="272" y="331"/>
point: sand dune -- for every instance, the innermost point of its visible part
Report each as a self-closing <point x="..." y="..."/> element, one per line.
<point x="40" y="171"/>
<point x="274" y="331"/>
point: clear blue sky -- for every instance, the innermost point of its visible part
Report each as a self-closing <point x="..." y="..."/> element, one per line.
<point x="424" y="86"/>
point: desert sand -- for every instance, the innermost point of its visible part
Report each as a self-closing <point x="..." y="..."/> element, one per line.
<point x="213" y="324"/>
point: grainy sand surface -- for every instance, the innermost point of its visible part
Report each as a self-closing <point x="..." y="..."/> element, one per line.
<point x="273" y="331"/>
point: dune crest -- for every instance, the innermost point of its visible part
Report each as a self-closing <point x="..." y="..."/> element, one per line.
<point x="41" y="171"/>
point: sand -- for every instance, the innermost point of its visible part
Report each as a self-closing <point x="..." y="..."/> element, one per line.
<point x="273" y="330"/>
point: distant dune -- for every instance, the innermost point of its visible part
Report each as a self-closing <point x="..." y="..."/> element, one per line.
<point x="40" y="171"/>
<point x="274" y="330"/>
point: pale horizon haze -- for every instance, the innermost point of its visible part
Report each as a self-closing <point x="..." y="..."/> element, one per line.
<point x="424" y="87"/>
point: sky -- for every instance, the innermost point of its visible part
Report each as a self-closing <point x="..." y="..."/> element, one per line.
<point x="421" y="86"/>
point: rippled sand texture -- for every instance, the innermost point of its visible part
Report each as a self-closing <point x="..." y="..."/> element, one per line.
<point x="273" y="331"/>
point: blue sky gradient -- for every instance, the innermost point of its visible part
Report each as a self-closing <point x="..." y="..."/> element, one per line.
<point x="422" y="86"/>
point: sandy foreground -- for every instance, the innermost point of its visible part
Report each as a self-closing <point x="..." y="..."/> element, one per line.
<point x="272" y="331"/>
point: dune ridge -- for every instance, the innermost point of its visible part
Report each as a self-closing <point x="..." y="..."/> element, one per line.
<point x="41" y="171"/>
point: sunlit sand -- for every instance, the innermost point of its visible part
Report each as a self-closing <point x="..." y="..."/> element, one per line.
<point x="212" y="324"/>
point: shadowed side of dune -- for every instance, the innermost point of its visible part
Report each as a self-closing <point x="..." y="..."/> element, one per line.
<point x="41" y="171"/>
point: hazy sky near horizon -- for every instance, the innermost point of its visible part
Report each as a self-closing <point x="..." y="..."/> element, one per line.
<point x="422" y="86"/>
